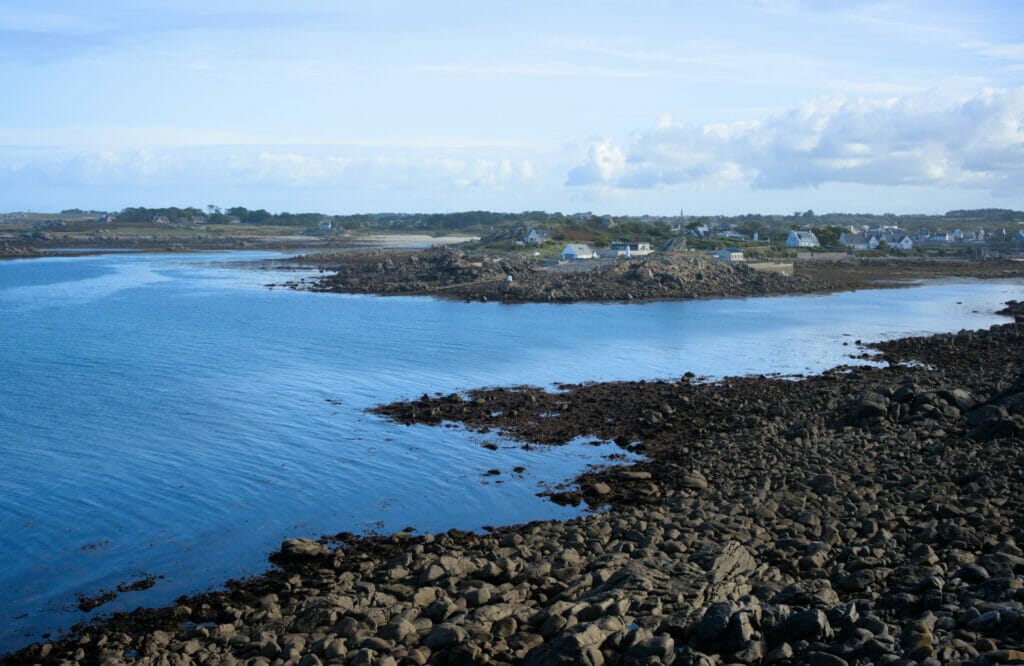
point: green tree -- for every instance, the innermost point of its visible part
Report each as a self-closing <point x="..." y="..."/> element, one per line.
<point x="828" y="236"/>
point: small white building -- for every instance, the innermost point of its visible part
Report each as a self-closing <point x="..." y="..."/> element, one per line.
<point x="326" y="225"/>
<point x="631" y="248"/>
<point x="577" y="252"/>
<point x="233" y="219"/>
<point x="161" y="219"/>
<point x="730" y="254"/>
<point x="903" y="242"/>
<point x="802" y="239"/>
<point x="537" y="236"/>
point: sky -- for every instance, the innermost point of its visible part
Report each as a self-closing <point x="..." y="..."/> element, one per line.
<point x="611" y="106"/>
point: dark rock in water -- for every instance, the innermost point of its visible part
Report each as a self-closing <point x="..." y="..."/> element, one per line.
<point x="303" y="548"/>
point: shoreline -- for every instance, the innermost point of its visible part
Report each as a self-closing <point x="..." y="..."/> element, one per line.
<point x="458" y="275"/>
<point x="743" y="495"/>
<point x="34" y="248"/>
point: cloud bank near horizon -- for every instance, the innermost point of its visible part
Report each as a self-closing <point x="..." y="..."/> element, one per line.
<point x="284" y="167"/>
<point x="924" y="139"/>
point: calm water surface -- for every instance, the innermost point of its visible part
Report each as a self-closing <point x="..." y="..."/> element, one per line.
<point x="170" y="415"/>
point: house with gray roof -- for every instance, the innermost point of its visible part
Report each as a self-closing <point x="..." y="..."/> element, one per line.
<point x="577" y="252"/>
<point x="537" y="236"/>
<point x="802" y="239"/>
<point x="730" y="254"/>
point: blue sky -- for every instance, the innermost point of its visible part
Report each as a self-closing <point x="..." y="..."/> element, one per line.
<point x="628" y="106"/>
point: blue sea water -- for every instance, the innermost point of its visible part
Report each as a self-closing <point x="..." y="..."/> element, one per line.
<point x="171" y="415"/>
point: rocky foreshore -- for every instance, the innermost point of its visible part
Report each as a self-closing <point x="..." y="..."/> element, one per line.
<point x="16" y="251"/>
<point x="458" y="274"/>
<point x="866" y="515"/>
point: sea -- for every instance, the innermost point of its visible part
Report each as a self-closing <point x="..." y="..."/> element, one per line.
<point x="174" y="417"/>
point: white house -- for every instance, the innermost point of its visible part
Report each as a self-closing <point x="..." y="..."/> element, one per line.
<point x="233" y="219"/>
<point x="802" y="239"/>
<point x="577" y="251"/>
<point x="537" y="236"/>
<point x="904" y="243"/>
<point x="699" y="232"/>
<point x="730" y="254"/>
<point x="858" y="241"/>
<point x="631" y="248"/>
<point x="326" y="225"/>
<point x="198" y="219"/>
<point x="161" y="219"/>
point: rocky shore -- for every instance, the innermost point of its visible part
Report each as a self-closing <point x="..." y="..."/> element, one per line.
<point x="866" y="515"/>
<point x="13" y="251"/>
<point x="457" y="274"/>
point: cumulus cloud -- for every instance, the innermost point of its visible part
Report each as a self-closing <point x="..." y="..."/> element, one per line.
<point x="605" y="162"/>
<point x="921" y="139"/>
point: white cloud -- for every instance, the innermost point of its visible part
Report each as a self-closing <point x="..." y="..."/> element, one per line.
<point x="248" y="167"/>
<point x="605" y="162"/>
<point x="924" y="139"/>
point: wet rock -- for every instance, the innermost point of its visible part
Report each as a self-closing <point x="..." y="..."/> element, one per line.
<point x="303" y="548"/>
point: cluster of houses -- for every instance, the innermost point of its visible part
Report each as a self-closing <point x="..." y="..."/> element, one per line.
<point x="868" y="238"/>
<point x="872" y="238"/>
<point x="979" y="236"/>
<point x="582" y="251"/>
<point x="194" y="222"/>
<point x="703" y="232"/>
<point x="895" y="237"/>
<point x="579" y="251"/>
